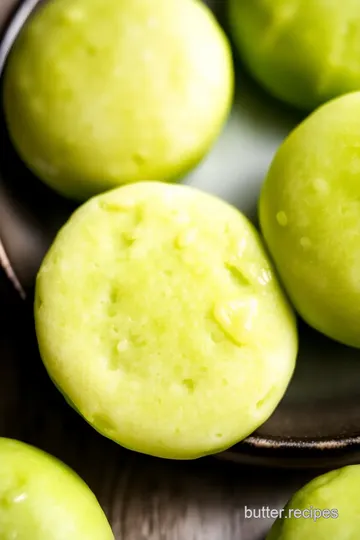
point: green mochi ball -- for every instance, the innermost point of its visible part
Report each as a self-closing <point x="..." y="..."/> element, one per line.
<point x="42" y="499"/>
<point x="160" y="319"/>
<point x="328" y="508"/>
<point x="310" y="218"/>
<point x="100" y="93"/>
<point x="304" y="52"/>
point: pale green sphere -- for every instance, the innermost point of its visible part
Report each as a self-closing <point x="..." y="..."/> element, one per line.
<point x="160" y="319"/>
<point x="42" y="499"/>
<point x="100" y="93"/>
<point x="310" y="218"/>
<point x="304" y="52"/>
<point x="327" y="508"/>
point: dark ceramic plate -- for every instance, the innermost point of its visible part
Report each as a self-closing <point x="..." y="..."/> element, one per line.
<point x="318" y="421"/>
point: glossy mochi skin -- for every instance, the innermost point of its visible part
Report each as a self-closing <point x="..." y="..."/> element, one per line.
<point x="100" y="93"/>
<point x="304" y="52"/>
<point x="337" y="495"/>
<point x="42" y="499"/>
<point x="309" y="215"/>
<point x="160" y="319"/>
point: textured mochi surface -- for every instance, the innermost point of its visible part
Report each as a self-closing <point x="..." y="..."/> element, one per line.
<point x="338" y="492"/>
<point x="160" y="319"/>
<point x="99" y="93"/>
<point x="304" y="52"/>
<point x="42" y="499"/>
<point x="310" y="215"/>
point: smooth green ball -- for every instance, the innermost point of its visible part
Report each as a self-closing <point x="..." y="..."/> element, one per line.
<point x="327" y="508"/>
<point x="304" y="52"/>
<point x="310" y="218"/>
<point x="100" y="93"/>
<point x="42" y="499"/>
<point x="160" y="319"/>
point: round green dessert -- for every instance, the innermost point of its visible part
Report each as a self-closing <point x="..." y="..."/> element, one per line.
<point x="304" y="52"/>
<point x="159" y="317"/>
<point x="42" y="499"/>
<point x="328" y="508"/>
<point x="100" y="93"/>
<point x="310" y="216"/>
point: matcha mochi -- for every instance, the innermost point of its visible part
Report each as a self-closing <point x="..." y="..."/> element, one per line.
<point x="159" y="318"/>
<point x="304" y="52"/>
<point x="42" y="499"/>
<point x="100" y="93"/>
<point x="327" y="508"/>
<point x="310" y="217"/>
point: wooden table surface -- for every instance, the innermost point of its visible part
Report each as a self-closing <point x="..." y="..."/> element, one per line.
<point x="144" y="498"/>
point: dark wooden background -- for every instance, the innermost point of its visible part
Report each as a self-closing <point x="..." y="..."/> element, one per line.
<point x="144" y="498"/>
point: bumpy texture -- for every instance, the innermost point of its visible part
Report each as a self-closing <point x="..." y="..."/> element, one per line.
<point x="337" y="495"/>
<point x="99" y="93"/>
<point x="160" y="319"/>
<point x="304" y="52"/>
<point x="42" y="499"/>
<point x="310" y="215"/>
